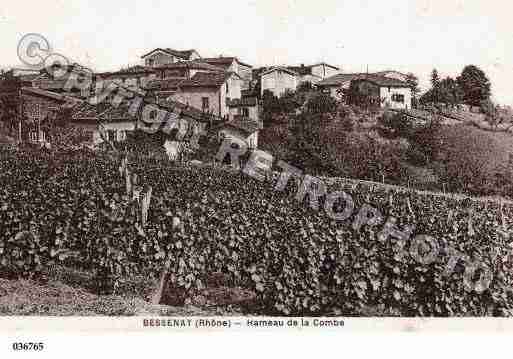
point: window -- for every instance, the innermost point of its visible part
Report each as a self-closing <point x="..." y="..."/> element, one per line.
<point x="398" y="98"/>
<point x="151" y="62"/>
<point x="245" y="112"/>
<point x="204" y="103"/>
<point x="227" y="87"/>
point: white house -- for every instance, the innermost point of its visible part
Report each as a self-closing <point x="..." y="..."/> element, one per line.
<point x="385" y="91"/>
<point x="166" y="56"/>
<point x="232" y="64"/>
<point x="242" y="129"/>
<point x="314" y="73"/>
<point x="278" y="80"/>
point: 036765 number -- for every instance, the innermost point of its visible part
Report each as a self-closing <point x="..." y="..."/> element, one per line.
<point x="18" y="346"/>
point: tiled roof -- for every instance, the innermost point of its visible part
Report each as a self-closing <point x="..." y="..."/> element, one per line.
<point x="184" y="54"/>
<point x="28" y="77"/>
<point x="102" y="112"/>
<point x="278" y="68"/>
<point x="384" y="73"/>
<point x="119" y="113"/>
<point x="377" y="79"/>
<point x="252" y="92"/>
<point x="245" y="101"/>
<point x="187" y="111"/>
<point x="6" y="140"/>
<point x="168" y="84"/>
<point x="325" y="64"/>
<point x="383" y="81"/>
<point x="339" y="79"/>
<point x="137" y="69"/>
<point x="244" y="124"/>
<point x="43" y="93"/>
<point x="192" y="65"/>
<point x="224" y="61"/>
<point x="302" y="70"/>
<point x="85" y="111"/>
<point x="206" y="79"/>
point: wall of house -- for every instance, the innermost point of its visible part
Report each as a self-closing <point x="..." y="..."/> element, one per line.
<point x="395" y="75"/>
<point x="195" y="56"/>
<point x="323" y="71"/>
<point x="38" y="109"/>
<point x="232" y="133"/>
<point x="194" y="97"/>
<point x="387" y="95"/>
<point x="234" y="87"/>
<point x="246" y="73"/>
<point x="310" y="78"/>
<point x="179" y="72"/>
<point x="278" y="82"/>
<point x="159" y="59"/>
<point x="216" y="96"/>
<point x="133" y="81"/>
<point x="253" y="112"/>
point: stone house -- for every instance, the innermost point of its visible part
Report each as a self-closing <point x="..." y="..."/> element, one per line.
<point x="165" y="56"/>
<point x="40" y="109"/>
<point x="334" y="85"/>
<point x="392" y="74"/>
<point x="278" y="80"/>
<point x="233" y="64"/>
<point x="242" y="129"/>
<point x="314" y="73"/>
<point x="247" y="107"/>
<point x="135" y="77"/>
<point x="209" y="91"/>
<point x="384" y="91"/>
<point x="115" y="123"/>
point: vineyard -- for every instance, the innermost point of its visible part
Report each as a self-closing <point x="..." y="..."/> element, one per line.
<point x="73" y="210"/>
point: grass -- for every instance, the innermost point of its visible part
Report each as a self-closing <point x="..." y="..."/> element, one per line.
<point x="65" y="293"/>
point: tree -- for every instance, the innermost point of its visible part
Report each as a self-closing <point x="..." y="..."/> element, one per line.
<point x="413" y="83"/>
<point x="305" y="87"/>
<point x="435" y="86"/>
<point x="475" y="85"/>
<point x="435" y="78"/>
<point x="321" y="103"/>
<point x="450" y="92"/>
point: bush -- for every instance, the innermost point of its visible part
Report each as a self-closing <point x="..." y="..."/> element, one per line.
<point x="234" y="225"/>
<point x="417" y="157"/>
<point x="425" y="142"/>
<point x="471" y="160"/>
<point x="395" y="124"/>
<point x="321" y="103"/>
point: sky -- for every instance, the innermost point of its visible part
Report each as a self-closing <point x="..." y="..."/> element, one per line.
<point x="409" y="36"/>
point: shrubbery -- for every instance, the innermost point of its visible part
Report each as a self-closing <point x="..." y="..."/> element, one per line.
<point x="473" y="160"/>
<point x="297" y="260"/>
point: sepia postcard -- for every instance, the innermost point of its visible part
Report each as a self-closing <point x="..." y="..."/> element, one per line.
<point x="255" y="166"/>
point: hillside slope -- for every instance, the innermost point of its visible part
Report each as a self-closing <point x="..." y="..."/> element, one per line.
<point x="299" y="261"/>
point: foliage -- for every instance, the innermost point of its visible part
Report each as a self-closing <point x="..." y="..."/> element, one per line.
<point x="272" y="106"/>
<point x="475" y="85"/>
<point x="435" y="79"/>
<point x="395" y="124"/>
<point x="471" y="160"/>
<point x="448" y="91"/>
<point x="211" y="221"/>
<point x="321" y="103"/>
<point x="425" y="141"/>
<point x="305" y="86"/>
